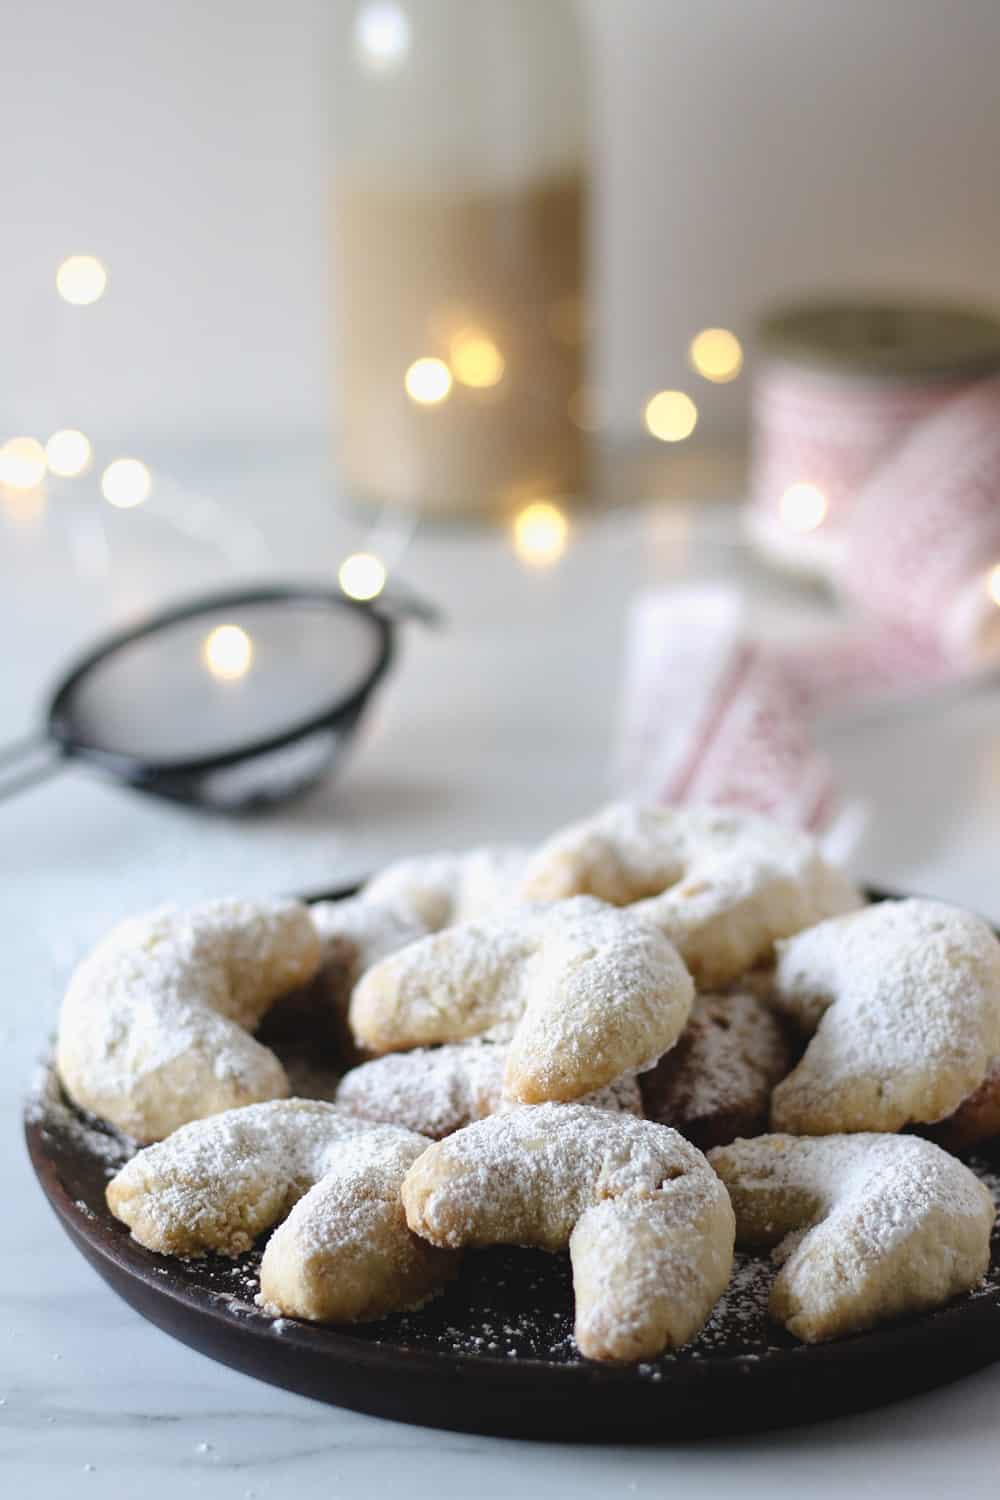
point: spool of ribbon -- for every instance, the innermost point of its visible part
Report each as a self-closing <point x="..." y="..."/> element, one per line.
<point x="711" y="715"/>
<point x="921" y="545"/>
<point x="839" y="385"/>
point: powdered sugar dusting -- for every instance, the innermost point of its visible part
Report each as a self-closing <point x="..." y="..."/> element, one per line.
<point x="154" y="1028"/>
<point x="48" y="1108"/>
<point x="440" y="890"/>
<point x="216" y="1184"/>
<point x="525" y="1176"/>
<point x="358" y="932"/>
<point x="438" y="1090"/>
<point x="865" y="1226"/>
<point x="904" y="1001"/>
<point x="716" y="1082"/>
<point x="509" y="1304"/>
<point x="583" y="993"/>
<point x="648" y="1224"/>
<point x="435" y="1090"/>
<point x="721" y="884"/>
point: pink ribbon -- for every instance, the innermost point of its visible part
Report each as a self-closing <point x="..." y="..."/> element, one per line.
<point x="714" y="714"/>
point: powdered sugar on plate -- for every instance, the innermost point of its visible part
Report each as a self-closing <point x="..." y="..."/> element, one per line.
<point x="507" y="1304"/>
<point x="47" y="1107"/>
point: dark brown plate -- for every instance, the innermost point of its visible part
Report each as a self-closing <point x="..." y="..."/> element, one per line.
<point x="494" y="1354"/>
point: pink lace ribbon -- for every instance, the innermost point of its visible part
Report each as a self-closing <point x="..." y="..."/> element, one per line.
<point x="830" y="430"/>
<point x="713" y="714"/>
<point x="922" y="543"/>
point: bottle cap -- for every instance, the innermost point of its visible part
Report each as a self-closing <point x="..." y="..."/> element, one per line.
<point x="883" y="338"/>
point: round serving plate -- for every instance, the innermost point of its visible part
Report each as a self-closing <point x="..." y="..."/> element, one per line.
<point x="494" y="1353"/>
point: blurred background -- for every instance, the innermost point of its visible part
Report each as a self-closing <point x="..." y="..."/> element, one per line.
<point x="614" y="385"/>
<point x="747" y="151"/>
<point x="284" y="287"/>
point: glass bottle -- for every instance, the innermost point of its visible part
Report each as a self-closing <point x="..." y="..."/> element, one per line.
<point x="460" y="184"/>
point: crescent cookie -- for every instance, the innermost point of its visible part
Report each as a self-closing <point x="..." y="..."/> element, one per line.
<point x="438" y="1090"/>
<point x="582" y="992"/>
<point x="868" y="1226"/>
<point x="648" y="1224"/>
<point x="976" y="1119"/>
<point x="357" y="932"/>
<point x="903" y="999"/>
<point x="155" y="1025"/>
<point x="715" y="1083"/>
<point x="439" y="890"/>
<point x="343" y="1253"/>
<point x="722" y="885"/>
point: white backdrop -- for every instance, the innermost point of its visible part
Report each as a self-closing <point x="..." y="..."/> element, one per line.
<point x="750" y="148"/>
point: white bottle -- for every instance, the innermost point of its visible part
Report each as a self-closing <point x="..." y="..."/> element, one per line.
<point x="459" y="199"/>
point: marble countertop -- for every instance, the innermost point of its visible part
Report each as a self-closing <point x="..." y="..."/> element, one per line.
<point x="496" y="726"/>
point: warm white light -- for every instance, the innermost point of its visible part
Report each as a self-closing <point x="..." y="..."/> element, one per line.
<point x="541" y="532"/>
<point x="475" y="359"/>
<point x="22" y="463"/>
<point x="993" y="584"/>
<point x="81" y="279"/>
<point x="362" y="575"/>
<point x="671" y="416"/>
<point x="227" y="653"/>
<point x="427" y="381"/>
<point x="23" y="507"/>
<point x="382" y="36"/>
<point x="68" y="452"/>
<point x="803" y="507"/>
<point x="716" y="354"/>
<point x="126" y="482"/>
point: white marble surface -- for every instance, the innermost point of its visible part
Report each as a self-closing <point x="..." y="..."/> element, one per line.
<point x="497" y="726"/>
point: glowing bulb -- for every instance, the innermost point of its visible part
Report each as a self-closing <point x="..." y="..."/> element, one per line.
<point x="227" y="653"/>
<point x="428" y="381"/>
<point x="541" y="532"/>
<point x="68" y="452"/>
<point x="382" y="36"/>
<point x="81" y="279"/>
<point x="716" y="354"/>
<point x="23" y="507"/>
<point x="671" y="416"/>
<point x="993" y="584"/>
<point x="475" y="359"/>
<point x="803" y="507"/>
<point x="126" y="483"/>
<point x="362" y="575"/>
<point x="22" y="463"/>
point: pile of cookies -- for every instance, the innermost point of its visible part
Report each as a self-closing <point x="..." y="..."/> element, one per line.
<point x="662" y="1033"/>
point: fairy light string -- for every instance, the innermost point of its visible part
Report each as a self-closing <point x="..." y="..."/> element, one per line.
<point x="539" y="531"/>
